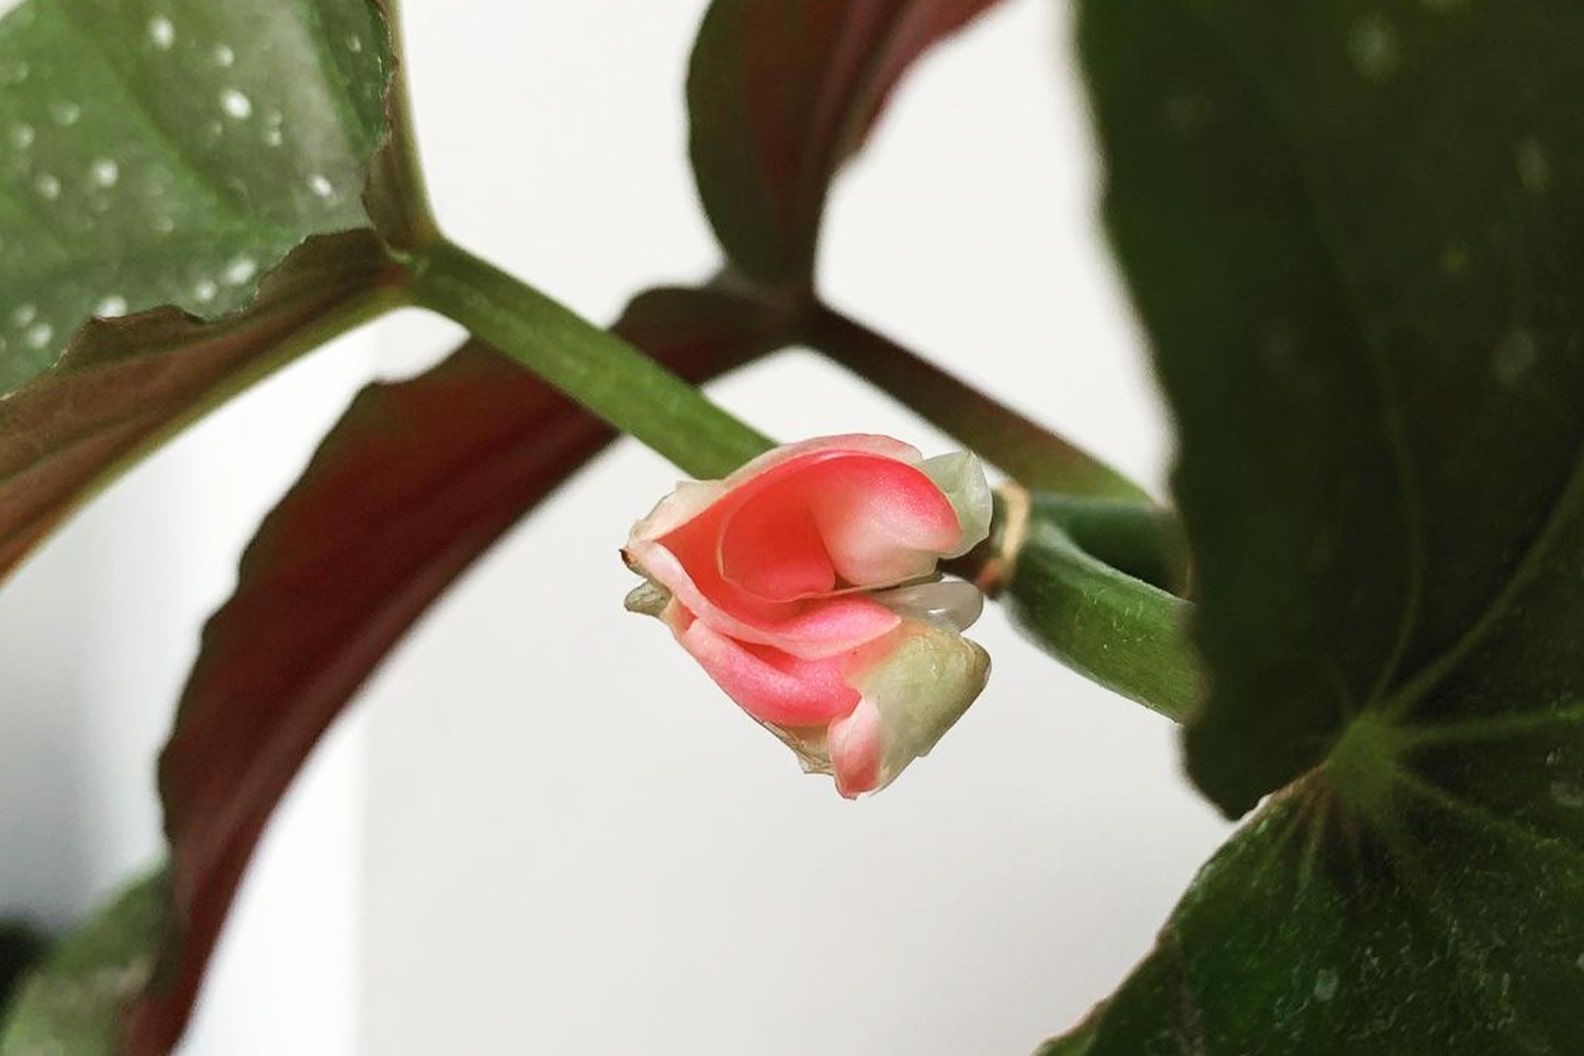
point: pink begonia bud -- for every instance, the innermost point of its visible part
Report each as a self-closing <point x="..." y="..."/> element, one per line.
<point x="805" y="584"/>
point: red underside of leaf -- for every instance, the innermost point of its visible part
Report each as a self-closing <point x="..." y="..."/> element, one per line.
<point x="414" y="483"/>
<point x="784" y="92"/>
<point x="125" y="382"/>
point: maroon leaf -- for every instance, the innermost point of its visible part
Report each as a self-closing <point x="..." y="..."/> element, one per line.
<point x="781" y="92"/>
<point x="414" y="483"/>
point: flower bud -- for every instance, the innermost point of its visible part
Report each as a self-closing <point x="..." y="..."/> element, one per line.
<point x="805" y="584"/>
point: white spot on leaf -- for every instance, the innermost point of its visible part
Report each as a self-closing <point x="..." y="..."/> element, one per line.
<point x="1373" y="45"/>
<point x="105" y="172"/>
<point x="235" y="104"/>
<point x="1534" y="166"/>
<point x="1515" y="353"/>
<point x="65" y="112"/>
<point x="162" y="32"/>
<point x="239" y="271"/>
<point x="1325" y="985"/>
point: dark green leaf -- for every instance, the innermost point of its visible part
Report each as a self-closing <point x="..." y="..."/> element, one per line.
<point x="71" y="1005"/>
<point x="203" y="164"/>
<point x="1354" y="232"/>
<point x="1074" y="1043"/>
<point x="781" y="92"/>
<point x="21" y="947"/>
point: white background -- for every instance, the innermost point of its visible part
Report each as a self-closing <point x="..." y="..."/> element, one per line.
<point x="543" y="830"/>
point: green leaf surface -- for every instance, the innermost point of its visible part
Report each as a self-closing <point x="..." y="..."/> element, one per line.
<point x="72" y="1003"/>
<point x="193" y="174"/>
<point x="1074" y="1043"/>
<point x="171" y="153"/>
<point x="780" y="93"/>
<point x="1354" y="234"/>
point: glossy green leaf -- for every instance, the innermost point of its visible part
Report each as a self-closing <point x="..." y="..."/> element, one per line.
<point x="172" y="153"/>
<point x="203" y="164"/>
<point x="1354" y="235"/>
<point x="72" y="1003"/>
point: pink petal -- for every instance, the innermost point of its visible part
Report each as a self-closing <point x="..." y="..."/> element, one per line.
<point x="872" y="444"/>
<point x="872" y="520"/>
<point x="882" y="521"/>
<point x="811" y="629"/>
<point x="771" y="548"/>
<point x="693" y="497"/>
<point x="856" y="749"/>
<point x="768" y="684"/>
<point x="758" y="555"/>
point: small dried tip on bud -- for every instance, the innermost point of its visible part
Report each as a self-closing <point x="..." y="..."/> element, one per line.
<point x="805" y="584"/>
<point x="646" y="599"/>
<point x="998" y="570"/>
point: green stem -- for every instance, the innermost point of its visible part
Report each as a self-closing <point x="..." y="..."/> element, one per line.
<point x="600" y="371"/>
<point x="397" y="195"/>
<point x="1139" y="539"/>
<point x="1110" y="627"/>
<point x="1024" y="449"/>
